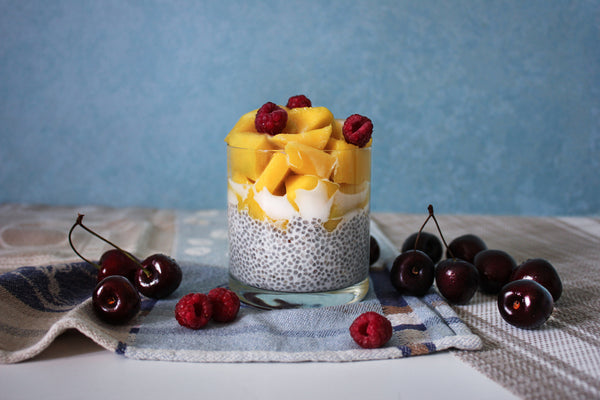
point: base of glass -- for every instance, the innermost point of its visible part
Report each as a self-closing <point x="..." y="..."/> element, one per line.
<point x="272" y="300"/>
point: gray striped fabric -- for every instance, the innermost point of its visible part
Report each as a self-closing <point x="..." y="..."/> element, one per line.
<point x="561" y="360"/>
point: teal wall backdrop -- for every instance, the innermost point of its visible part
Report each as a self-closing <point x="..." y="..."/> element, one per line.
<point x="486" y="107"/>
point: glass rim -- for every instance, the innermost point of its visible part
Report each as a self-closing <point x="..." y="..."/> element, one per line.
<point x="357" y="149"/>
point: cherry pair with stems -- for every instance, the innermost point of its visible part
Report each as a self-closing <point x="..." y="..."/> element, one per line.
<point x="122" y="278"/>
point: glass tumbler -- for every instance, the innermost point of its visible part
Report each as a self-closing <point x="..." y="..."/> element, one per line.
<point x="298" y="225"/>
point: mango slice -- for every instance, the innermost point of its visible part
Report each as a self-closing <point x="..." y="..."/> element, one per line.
<point x="306" y="160"/>
<point x="337" y="126"/>
<point x="353" y="163"/>
<point x="244" y="124"/>
<point x="331" y="224"/>
<point x="307" y="182"/>
<point x="252" y="207"/>
<point x="308" y="118"/>
<point x="317" y="138"/>
<point x="274" y="175"/>
<point x="243" y="155"/>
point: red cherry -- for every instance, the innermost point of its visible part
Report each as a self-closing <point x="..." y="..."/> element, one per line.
<point x="466" y="247"/>
<point x="495" y="268"/>
<point x="374" y="251"/>
<point x="457" y="280"/>
<point x="542" y="272"/>
<point x="525" y="303"/>
<point x="115" y="300"/>
<point x="158" y="277"/>
<point x="412" y="273"/>
<point x="115" y="262"/>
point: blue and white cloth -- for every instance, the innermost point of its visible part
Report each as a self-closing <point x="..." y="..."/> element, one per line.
<point x="39" y="303"/>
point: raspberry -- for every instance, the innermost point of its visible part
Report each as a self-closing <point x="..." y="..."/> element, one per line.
<point x="226" y="304"/>
<point x="193" y="310"/>
<point x="270" y="118"/>
<point x="371" y="330"/>
<point x="357" y="130"/>
<point x="298" y="101"/>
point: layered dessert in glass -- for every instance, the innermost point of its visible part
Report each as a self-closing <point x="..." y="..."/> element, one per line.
<point x="298" y="206"/>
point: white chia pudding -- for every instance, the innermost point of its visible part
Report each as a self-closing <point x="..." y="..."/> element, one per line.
<point x="303" y="257"/>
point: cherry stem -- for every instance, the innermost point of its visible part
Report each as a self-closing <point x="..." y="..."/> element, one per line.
<point x="79" y="222"/>
<point x="430" y="208"/>
<point x="73" y="247"/>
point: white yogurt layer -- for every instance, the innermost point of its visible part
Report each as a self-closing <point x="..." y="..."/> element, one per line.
<point x="237" y="189"/>
<point x="352" y="201"/>
<point x="275" y="207"/>
<point x="315" y="203"/>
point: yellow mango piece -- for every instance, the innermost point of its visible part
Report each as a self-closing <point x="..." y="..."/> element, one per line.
<point x="249" y="140"/>
<point x="245" y="156"/>
<point x="317" y="138"/>
<point x="252" y="207"/>
<point x="308" y="118"/>
<point x="274" y="175"/>
<point x="331" y="224"/>
<point x="244" y="124"/>
<point x="306" y="160"/>
<point x="306" y="182"/>
<point x="353" y="163"/>
<point x="240" y="178"/>
<point x="336" y="132"/>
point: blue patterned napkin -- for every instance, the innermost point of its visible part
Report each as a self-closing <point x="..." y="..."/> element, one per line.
<point x="37" y="304"/>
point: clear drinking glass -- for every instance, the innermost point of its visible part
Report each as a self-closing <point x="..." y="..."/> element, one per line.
<point x="298" y="226"/>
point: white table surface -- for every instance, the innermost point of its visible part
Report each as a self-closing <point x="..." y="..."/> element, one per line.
<point x="74" y="367"/>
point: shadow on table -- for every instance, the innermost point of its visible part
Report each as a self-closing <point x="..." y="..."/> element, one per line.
<point x="69" y="344"/>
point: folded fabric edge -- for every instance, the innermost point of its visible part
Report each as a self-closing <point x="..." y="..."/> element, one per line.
<point x="63" y="324"/>
<point x="265" y="356"/>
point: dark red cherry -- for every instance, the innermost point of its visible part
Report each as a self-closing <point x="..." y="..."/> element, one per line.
<point x="115" y="300"/>
<point x="525" y="303"/>
<point x="412" y="273"/>
<point x="495" y="268"/>
<point x="466" y="247"/>
<point x="374" y="251"/>
<point x="428" y="244"/>
<point x="541" y="271"/>
<point x="115" y="262"/>
<point x="457" y="280"/>
<point x="159" y="276"/>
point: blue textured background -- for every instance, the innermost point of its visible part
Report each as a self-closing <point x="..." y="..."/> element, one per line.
<point x="478" y="106"/>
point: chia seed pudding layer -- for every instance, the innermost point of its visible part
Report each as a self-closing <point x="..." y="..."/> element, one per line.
<point x="303" y="257"/>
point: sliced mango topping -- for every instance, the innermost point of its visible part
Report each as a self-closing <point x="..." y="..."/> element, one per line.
<point x="244" y="158"/>
<point x="308" y="118"/>
<point x="353" y="164"/>
<point x="316" y="138"/>
<point x="244" y="124"/>
<point x="306" y="160"/>
<point x="336" y="131"/>
<point x="308" y="169"/>
<point x="274" y="175"/>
